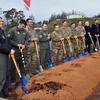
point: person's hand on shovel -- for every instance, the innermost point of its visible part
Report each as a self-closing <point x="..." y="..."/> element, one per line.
<point x="75" y="37"/>
<point x="62" y="39"/>
<point x="35" y="39"/>
<point x="12" y="51"/>
<point x="21" y="46"/>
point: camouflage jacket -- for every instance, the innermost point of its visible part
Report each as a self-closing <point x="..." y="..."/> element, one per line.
<point x="80" y="31"/>
<point x="32" y="34"/>
<point x="74" y="32"/>
<point x="56" y="42"/>
<point x="66" y="32"/>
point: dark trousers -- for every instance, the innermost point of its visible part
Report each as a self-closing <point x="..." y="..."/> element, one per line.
<point x="20" y="65"/>
<point x="88" y="45"/>
<point x="3" y="73"/>
<point x="44" y="58"/>
<point x="94" y="40"/>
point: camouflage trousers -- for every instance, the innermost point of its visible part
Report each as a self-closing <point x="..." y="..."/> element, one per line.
<point x="81" y="44"/>
<point x="31" y="59"/>
<point x="57" y="56"/>
<point x="69" y="47"/>
<point x="74" y="46"/>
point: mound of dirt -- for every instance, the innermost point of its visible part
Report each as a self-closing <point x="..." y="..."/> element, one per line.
<point x="49" y="87"/>
<point x="75" y="80"/>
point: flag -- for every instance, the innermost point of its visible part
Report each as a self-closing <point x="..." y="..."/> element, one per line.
<point x="27" y="8"/>
<point x="27" y="4"/>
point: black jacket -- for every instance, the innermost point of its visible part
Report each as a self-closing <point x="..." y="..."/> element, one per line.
<point x="87" y="37"/>
<point x="4" y="45"/>
<point x="98" y="29"/>
<point x="94" y="31"/>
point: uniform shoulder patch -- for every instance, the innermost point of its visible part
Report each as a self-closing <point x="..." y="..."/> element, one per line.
<point x="40" y="36"/>
<point x="18" y="32"/>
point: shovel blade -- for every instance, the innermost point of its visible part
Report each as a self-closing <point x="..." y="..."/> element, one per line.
<point x="25" y="90"/>
<point x="80" y="55"/>
<point x="72" y="58"/>
<point x="86" y="53"/>
<point x="50" y="65"/>
<point x="65" y="58"/>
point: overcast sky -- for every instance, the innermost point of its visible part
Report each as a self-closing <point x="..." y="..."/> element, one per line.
<point x="42" y="9"/>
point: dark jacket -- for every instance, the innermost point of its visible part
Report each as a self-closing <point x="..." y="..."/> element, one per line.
<point x="4" y="45"/>
<point x="98" y="29"/>
<point x="4" y="51"/>
<point x="87" y="37"/>
<point x="17" y="36"/>
<point x="94" y="32"/>
<point x="94" y="29"/>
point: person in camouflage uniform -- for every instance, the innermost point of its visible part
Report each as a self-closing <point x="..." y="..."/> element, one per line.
<point x="57" y="48"/>
<point x="31" y="57"/>
<point x="73" y="40"/>
<point x="81" y="36"/>
<point x="18" y="37"/>
<point x="66" y="31"/>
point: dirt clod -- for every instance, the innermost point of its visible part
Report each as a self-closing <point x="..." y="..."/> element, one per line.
<point x="49" y="87"/>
